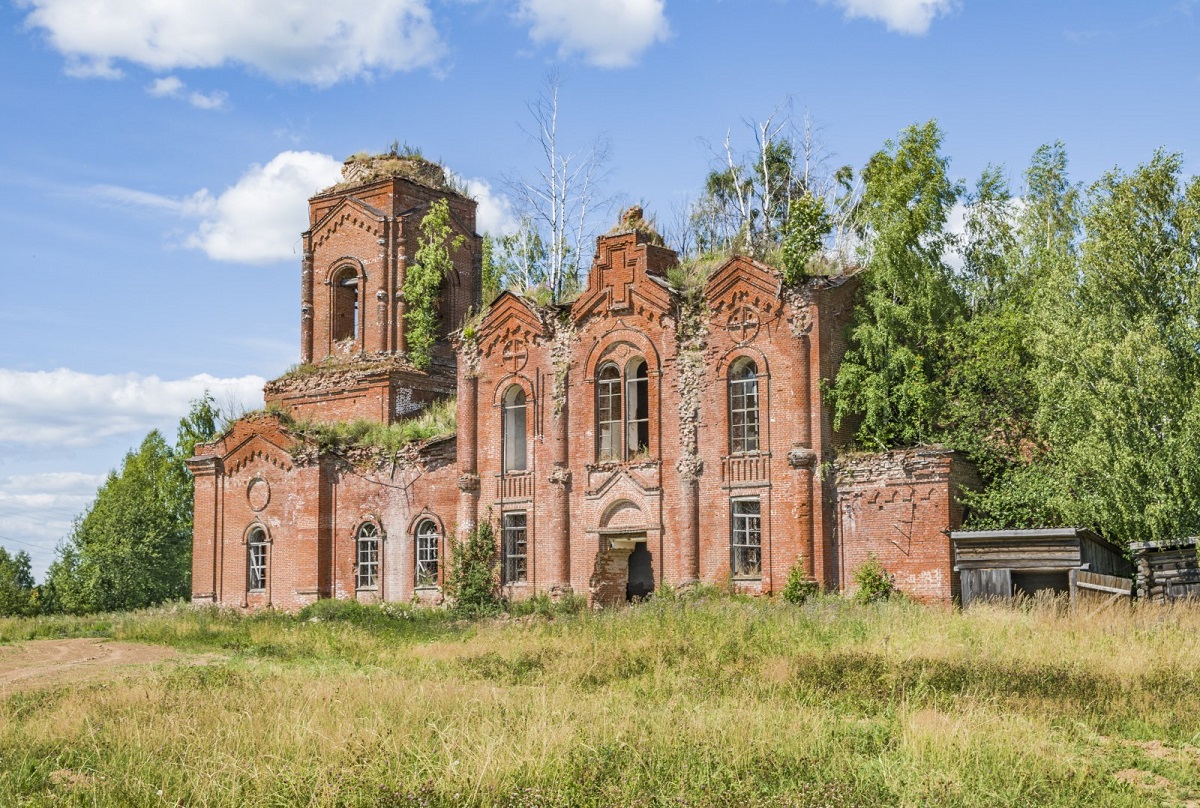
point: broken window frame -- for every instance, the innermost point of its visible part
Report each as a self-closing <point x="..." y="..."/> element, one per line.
<point x="515" y="537"/>
<point x="367" y="556"/>
<point x="427" y="540"/>
<point x="514" y="429"/>
<point x="745" y="538"/>
<point x="256" y="560"/>
<point x="743" y="407"/>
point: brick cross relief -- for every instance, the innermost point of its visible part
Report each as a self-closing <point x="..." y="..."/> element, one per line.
<point x="743" y="324"/>
<point x="515" y="354"/>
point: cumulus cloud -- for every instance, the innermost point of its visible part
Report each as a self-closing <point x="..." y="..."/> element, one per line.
<point x="902" y="16"/>
<point x="608" y="33"/>
<point x="173" y="86"/>
<point x="495" y="212"/>
<point x="66" y="408"/>
<point x="259" y="219"/>
<point x="312" y="41"/>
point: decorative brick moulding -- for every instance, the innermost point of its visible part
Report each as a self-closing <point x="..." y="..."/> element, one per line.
<point x="631" y="438"/>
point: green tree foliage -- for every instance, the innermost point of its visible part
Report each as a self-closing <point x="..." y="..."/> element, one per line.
<point x="1120" y="360"/>
<point x="473" y="576"/>
<point x="18" y="595"/>
<point x="892" y="377"/>
<point x="133" y="546"/>
<point x="423" y="282"/>
<point x="803" y="235"/>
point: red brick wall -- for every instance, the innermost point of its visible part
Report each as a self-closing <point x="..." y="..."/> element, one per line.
<point x="898" y="506"/>
<point x="374" y="230"/>
<point x="626" y="312"/>
<point x="311" y="509"/>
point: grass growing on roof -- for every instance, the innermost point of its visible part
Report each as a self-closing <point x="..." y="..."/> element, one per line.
<point x="437" y="420"/>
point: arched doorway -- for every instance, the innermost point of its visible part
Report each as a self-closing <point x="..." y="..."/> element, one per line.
<point x="624" y="562"/>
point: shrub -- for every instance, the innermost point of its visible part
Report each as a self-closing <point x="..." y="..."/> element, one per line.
<point x="472" y="578"/>
<point x="874" y="582"/>
<point x="799" y="588"/>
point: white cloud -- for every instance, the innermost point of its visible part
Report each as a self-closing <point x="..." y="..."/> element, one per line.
<point x="173" y="86"/>
<point x="609" y="33"/>
<point x="313" y="41"/>
<point x="902" y="16"/>
<point x="260" y="218"/>
<point x="495" y="212"/>
<point x="65" y="408"/>
<point x="213" y="100"/>
<point x="166" y="87"/>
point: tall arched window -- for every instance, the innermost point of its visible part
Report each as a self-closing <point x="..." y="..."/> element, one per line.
<point x="637" y="406"/>
<point x="514" y="429"/>
<point x="622" y="411"/>
<point x="368" y="556"/>
<point x="609" y="423"/>
<point x="256" y="561"/>
<point x="427" y="553"/>
<point x="344" y="316"/>
<point x="743" y="406"/>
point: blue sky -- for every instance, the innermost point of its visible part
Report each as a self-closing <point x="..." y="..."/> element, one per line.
<point x="156" y="158"/>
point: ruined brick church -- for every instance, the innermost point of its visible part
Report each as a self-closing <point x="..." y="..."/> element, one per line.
<point x="641" y="434"/>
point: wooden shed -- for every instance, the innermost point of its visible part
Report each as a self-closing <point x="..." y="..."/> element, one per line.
<point x="1167" y="571"/>
<point x="998" y="564"/>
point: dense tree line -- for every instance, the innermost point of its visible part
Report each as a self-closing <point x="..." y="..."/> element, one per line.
<point x="1062" y="354"/>
<point x="133" y="545"/>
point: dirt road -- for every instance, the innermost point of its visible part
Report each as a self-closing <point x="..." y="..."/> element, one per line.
<point x="39" y="663"/>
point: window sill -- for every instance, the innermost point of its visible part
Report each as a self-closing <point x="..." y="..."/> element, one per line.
<point x="366" y="589"/>
<point x="427" y="588"/>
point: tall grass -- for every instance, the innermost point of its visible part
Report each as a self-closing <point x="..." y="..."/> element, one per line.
<point x="674" y="702"/>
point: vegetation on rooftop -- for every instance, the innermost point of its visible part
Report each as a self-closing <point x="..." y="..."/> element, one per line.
<point x="437" y="420"/>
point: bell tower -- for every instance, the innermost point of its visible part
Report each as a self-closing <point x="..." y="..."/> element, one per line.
<point x="363" y="233"/>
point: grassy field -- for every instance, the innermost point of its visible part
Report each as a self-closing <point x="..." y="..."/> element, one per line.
<point x="676" y="702"/>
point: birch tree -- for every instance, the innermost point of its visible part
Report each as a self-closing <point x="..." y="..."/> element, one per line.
<point x="561" y="200"/>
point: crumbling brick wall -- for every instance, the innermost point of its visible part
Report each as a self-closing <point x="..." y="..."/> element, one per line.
<point x="899" y="506"/>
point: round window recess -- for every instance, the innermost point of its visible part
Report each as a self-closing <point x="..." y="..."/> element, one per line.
<point x="258" y="494"/>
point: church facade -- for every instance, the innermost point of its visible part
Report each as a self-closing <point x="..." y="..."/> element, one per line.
<point x="660" y="428"/>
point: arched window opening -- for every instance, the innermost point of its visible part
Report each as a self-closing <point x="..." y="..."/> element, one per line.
<point x="637" y="397"/>
<point x="743" y="407"/>
<point x="256" y="566"/>
<point x="514" y="429"/>
<point x="427" y="553"/>
<point x="345" y="314"/>
<point x="368" y="556"/>
<point x="609" y="423"/>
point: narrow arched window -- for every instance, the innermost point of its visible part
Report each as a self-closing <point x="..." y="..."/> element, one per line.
<point x="637" y="405"/>
<point x="368" y="556"/>
<point x="427" y="553"/>
<point x="743" y="407"/>
<point x="344" y="316"/>
<point x="609" y="423"/>
<point x="514" y="429"/>
<point x="256" y="566"/>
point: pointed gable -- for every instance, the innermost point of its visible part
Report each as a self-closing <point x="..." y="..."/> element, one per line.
<point x="742" y="295"/>
<point x="627" y="276"/>
<point x="509" y="329"/>
<point x="348" y="212"/>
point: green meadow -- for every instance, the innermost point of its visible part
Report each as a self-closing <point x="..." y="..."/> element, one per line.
<point x="701" y="701"/>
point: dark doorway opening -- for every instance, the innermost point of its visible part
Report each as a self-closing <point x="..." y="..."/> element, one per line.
<point x="641" y="573"/>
